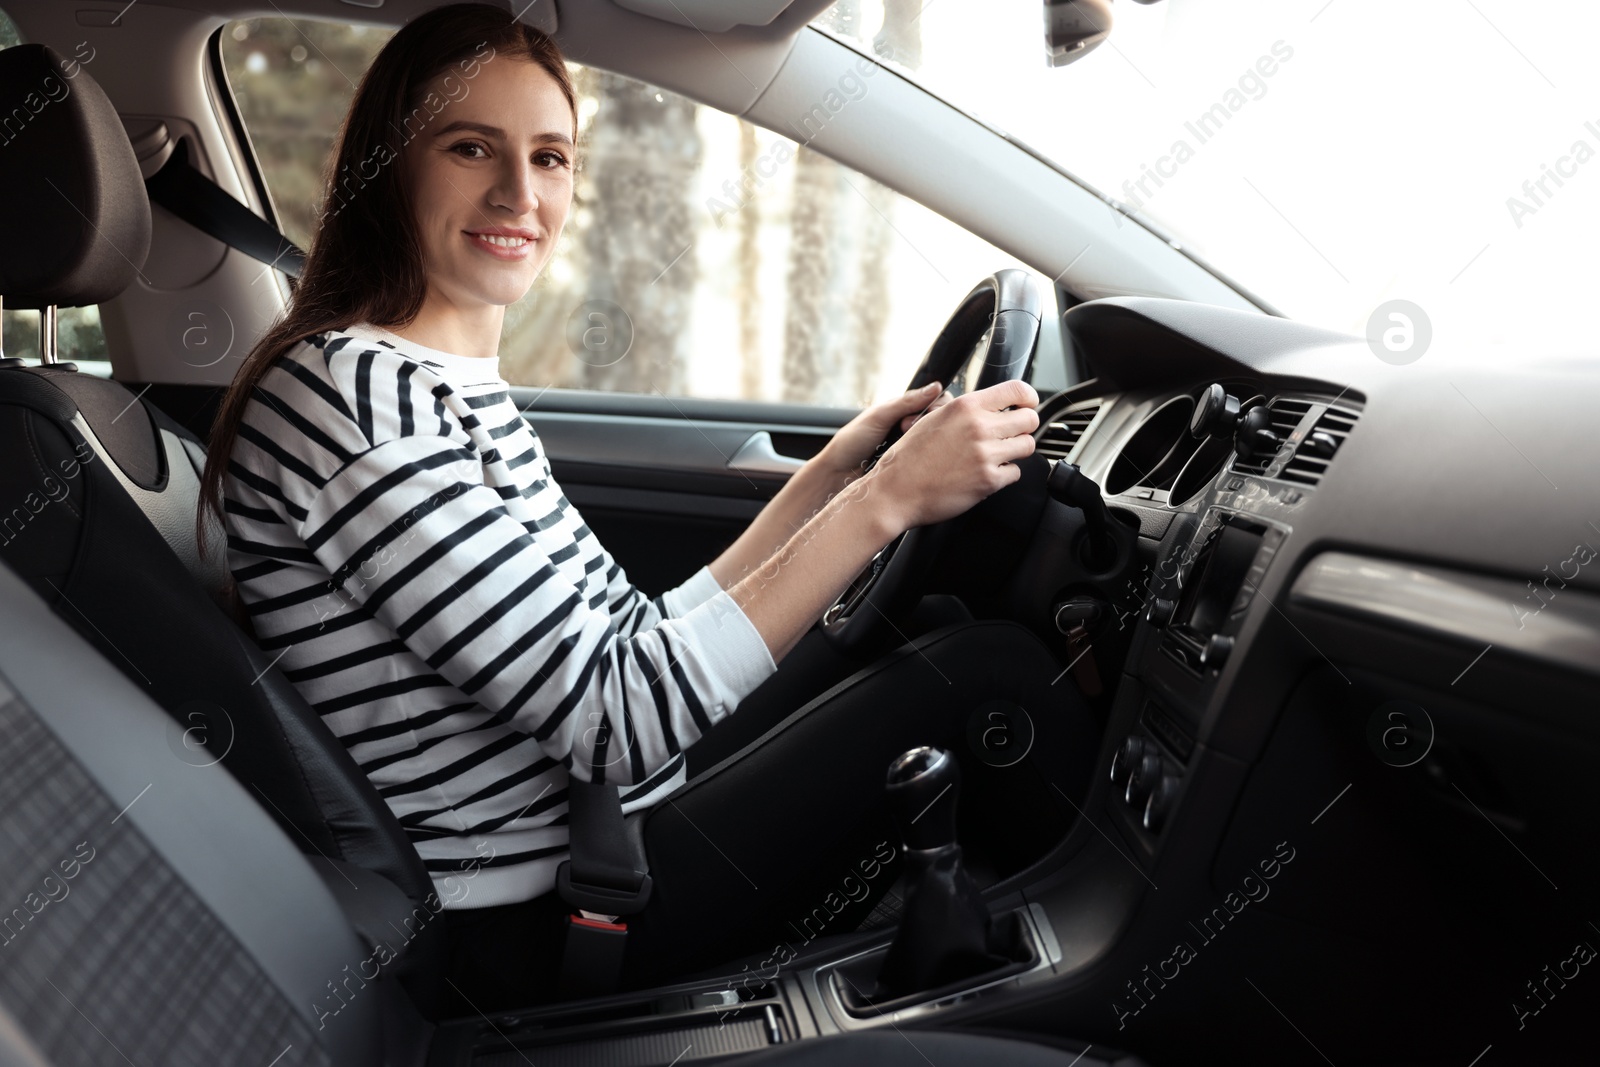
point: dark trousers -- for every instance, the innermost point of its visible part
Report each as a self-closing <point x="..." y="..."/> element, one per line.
<point x="783" y="819"/>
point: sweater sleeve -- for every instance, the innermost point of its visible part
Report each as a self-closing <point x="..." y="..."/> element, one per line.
<point x="633" y="611"/>
<point x="476" y="596"/>
<point x="698" y="588"/>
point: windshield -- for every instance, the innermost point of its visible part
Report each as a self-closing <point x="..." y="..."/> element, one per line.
<point x="1331" y="156"/>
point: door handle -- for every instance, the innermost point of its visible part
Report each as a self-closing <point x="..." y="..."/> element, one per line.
<point x="758" y="455"/>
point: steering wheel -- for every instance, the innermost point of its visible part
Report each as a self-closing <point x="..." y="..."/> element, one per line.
<point x="999" y="318"/>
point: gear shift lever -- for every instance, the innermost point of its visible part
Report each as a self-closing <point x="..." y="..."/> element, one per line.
<point x="947" y="932"/>
<point x="922" y="788"/>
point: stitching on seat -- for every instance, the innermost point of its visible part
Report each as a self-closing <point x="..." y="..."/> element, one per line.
<point x="33" y="446"/>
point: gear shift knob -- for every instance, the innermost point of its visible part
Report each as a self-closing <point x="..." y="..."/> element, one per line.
<point x="922" y="789"/>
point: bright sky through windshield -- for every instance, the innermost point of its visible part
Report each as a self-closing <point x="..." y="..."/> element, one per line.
<point x="1356" y="151"/>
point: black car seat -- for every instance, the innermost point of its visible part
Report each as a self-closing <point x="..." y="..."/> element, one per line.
<point x="158" y="916"/>
<point x="99" y="492"/>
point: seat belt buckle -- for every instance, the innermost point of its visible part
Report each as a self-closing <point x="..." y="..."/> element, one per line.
<point x="591" y="961"/>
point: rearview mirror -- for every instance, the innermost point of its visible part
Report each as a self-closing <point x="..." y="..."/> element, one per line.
<point x="1073" y="28"/>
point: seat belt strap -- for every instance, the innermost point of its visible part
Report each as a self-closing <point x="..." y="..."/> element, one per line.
<point x="605" y="879"/>
<point x="205" y="205"/>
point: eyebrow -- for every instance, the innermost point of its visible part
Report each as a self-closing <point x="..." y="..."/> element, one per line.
<point x="495" y="131"/>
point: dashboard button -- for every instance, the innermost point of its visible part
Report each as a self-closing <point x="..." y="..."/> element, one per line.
<point x="1162" y="799"/>
<point x="1215" y="654"/>
<point x="1127" y="757"/>
<point x="1253" y="577"/>
<point x="1146" y="773"/>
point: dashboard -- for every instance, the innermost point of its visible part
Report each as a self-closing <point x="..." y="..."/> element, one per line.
<point x="1350" y="579"/>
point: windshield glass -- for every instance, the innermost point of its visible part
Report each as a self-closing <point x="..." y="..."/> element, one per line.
<point x="1331" y="156"/>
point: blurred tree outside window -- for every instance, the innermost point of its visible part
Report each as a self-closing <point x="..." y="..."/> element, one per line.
<point x="78" y="334"/>
<point x="703" y="256"/>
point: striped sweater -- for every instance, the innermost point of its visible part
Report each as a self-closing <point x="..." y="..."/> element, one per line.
<point x="405" y="554"/>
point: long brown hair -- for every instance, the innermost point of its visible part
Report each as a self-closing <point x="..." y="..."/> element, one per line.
<point x="365" y="261"/>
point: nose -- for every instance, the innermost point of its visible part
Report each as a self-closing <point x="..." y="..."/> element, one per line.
<point x="515" y="187"/>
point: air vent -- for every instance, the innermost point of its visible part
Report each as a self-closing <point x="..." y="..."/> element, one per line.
<point x="1286" y="416"/>
<point x="1311" y="459"/>
<point x="1062" y="434"/>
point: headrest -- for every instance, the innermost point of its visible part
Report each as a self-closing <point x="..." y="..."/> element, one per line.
<point x="74" y="219"/>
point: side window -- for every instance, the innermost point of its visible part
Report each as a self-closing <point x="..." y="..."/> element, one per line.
<point x="703" y="256"/>
<point x="78" y="334"/>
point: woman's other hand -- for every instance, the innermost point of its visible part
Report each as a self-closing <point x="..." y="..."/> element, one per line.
<point x="845" y="453"/>
<point x="957" y="454"/>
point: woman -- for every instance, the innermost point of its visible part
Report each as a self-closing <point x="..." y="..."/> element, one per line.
<point x="394" y="530"/>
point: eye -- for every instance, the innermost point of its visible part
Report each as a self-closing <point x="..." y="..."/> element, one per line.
<point x="459" y="146"/>
<point x="550" y="159"/>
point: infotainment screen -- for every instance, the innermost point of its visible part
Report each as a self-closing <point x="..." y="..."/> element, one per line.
<point x="1218" y="574"/>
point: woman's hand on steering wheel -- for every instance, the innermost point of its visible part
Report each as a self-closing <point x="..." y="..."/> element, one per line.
<point x="935" y="462"/>
<point x="846" y="454"/>
<point x="955" y="456"/>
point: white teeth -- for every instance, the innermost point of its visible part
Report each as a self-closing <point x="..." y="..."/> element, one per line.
<point x="503" y="242"/>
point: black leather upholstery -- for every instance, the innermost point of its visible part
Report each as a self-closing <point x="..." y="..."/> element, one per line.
<point x="98" y="497"/>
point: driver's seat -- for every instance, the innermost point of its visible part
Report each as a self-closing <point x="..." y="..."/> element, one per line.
<point x="102" y="490"/>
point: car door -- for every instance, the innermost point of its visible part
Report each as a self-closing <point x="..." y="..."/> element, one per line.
<point x="667" y="483"/>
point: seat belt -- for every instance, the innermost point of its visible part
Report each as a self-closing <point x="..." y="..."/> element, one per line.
<point x="605" y="879"/>
<point x="205" y="205"/>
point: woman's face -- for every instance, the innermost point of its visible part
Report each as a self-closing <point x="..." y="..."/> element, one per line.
<point x="496" y="160"/>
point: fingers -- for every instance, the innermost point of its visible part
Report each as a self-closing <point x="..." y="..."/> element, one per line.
<point x="916" y="399"/>
<point x="939" y="401"/>
<point x="1011" y="449"/>
<point x="1012" y="423"/>
<point x="987" y="422"/>
<point x="1016" y="393"/>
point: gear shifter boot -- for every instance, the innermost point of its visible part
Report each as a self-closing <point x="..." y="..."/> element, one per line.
<point x="946" y="932"/>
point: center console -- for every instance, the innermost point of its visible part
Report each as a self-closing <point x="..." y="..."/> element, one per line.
<point x="1214" y="568"/>
<point x="948" y="948"/>
<point x="1204" y="590"/>
<point x="693" y="1021"/>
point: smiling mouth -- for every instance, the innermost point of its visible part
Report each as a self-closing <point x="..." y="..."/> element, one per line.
<point x="503" y="242"/>
<point x="502" y="246"/>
